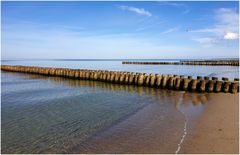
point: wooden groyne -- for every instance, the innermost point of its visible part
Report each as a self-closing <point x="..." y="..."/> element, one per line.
<point x="175" y="82"/>
<point x="202" y="62"/>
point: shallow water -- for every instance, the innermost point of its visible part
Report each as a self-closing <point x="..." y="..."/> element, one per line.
<point x="43" y="114"/>
<point x="188" y="70"/>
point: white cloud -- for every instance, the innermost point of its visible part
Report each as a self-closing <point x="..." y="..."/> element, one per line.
<point x="227" y="16"/>
<point x="227" y="23"/>
<point x="177" y="5"/>
<point x="206" y="41"/>
<point x="30" y="41"/>
<point x="231" y="36"/>
<point x="171" y="30"/>
<point x="148" y="25"/>
<point x="140" y="11"/>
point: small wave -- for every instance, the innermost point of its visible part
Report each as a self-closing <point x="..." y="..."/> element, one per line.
<point x="185" y="126"/>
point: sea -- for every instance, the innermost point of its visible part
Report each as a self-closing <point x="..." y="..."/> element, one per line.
<point x="41" y="114"/>
<point x="116" y="65"/>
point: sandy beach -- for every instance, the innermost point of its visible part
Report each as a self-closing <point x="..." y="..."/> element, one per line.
<point x="212" y="127"/>
<point x="216" y="131"/>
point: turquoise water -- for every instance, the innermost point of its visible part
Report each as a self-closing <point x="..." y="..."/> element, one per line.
<point x="188" y="70"/>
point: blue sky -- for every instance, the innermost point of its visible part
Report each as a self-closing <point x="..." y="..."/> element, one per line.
<point x="79" y="30"/>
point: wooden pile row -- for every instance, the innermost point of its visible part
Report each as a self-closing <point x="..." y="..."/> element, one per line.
<point x="140" y="79"/>
<point x="209" y="63"/>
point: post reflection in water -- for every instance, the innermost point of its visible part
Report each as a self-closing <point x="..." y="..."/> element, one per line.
<point x="161" y="94"/>
<point x="70" y="113"/>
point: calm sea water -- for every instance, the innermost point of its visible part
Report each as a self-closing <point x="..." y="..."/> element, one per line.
<point x="57" y="115"/>
<point x="43" y="114"/>
<point x="187" y="70"/>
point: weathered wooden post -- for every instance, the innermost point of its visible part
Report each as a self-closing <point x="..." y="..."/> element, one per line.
<point x="225" y="79"/>
<point x="206" y="78"/>
<point x="136" y="78"/>
<point x="199" y="78"/>
<point x="164" y="81"/>
<point x="193" y="85"/>
<point x="185" y="84"/>
<point x="152" y="80"/>
<point x="226" y="86"/>
<point x="236" y="79"/>
<point x="202" y="86"/>
<point x="131" y="78"/>
<point x="158" y="81"/>
<point x="126" y="78"/>
<point x="179" y="83"/>
<point x="116" y="77"/>
<point x="210" y="86"/>
<point x="104" y="76"/>
<point x="215" y="78"/>
<point x="95" y="76"/>
<point x="234" y="87"/>
<point x="122" y="77"/>
<point x="218" y="86"/>
<point x="146" y="79"/>
<point x="108" y="76"/>
<point x="112" y="77"/>
<point x="140" y="79"/>
<point x="170" y="82"/>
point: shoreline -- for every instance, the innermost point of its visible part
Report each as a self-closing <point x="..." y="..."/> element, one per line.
<point x="212" y="128"/>
<point x="217" y="130"/>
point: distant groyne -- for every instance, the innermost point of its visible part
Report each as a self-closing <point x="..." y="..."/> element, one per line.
<point x="202" y="62"/>
<point x="171" y="82"/>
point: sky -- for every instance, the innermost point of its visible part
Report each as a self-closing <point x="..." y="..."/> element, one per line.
<point x="119" y="30"/>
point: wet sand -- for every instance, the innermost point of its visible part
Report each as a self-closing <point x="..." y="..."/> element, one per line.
<point x="216" y="131"/>
<point x="151" y="130"/>
<point x="211" y="127"/>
